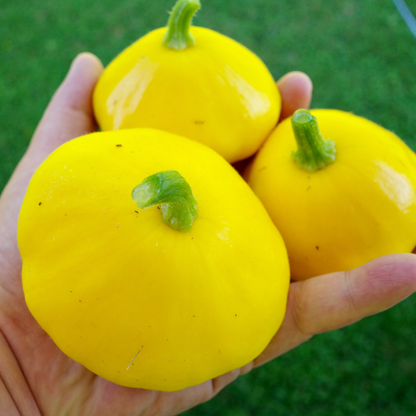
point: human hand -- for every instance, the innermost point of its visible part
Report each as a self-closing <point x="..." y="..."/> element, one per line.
<point x="36" y="378"/>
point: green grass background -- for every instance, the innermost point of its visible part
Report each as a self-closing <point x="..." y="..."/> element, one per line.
<point x="361" y="58"/>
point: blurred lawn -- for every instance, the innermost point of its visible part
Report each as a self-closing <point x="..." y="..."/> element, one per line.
<point x="361" y="58"/>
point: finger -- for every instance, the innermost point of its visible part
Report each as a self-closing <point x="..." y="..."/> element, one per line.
<point x="336" y="300"/>
<point x="68" y="115"/>
<point x="70" y="112"/>
<point x="296" y="91"/>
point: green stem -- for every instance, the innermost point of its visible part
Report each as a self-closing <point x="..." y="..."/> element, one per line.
<point x="177" y="35"/>
<point x="174" y="195"/>
<point x="314" y="152"/>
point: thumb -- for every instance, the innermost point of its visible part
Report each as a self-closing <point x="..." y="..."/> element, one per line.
<point x="70" y="113"/>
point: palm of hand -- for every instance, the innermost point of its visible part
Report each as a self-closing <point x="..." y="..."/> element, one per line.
<point x="36" y="378"/>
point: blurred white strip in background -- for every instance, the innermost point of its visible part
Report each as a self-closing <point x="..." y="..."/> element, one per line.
<point x="406" y="15"/>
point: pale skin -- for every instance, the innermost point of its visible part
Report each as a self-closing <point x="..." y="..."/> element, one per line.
<point x="37" y="379"/>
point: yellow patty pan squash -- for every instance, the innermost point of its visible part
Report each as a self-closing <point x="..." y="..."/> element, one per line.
<point x="193" y="82"/>
<point x="160" y="298"/>
<point x="340" y="195"/>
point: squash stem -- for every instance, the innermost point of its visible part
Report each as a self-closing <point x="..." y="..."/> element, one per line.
<point x="314" y="152"/>
<point x="174" y="195"/>
<point x="177" y="35"/>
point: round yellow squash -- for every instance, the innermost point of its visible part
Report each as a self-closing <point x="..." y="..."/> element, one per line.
<point x="127" y="295"/>
<point x="338" y="203"/>
<point x="193" y="82"/>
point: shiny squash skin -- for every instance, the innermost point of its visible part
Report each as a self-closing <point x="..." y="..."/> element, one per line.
<point x="131" y="299"/>
<point x="360" y="207"/>
<point x="216" y="92"/>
